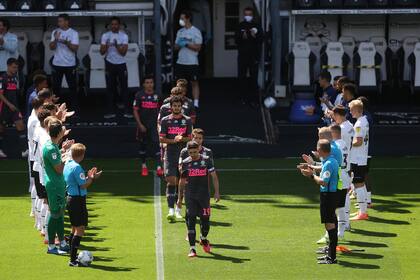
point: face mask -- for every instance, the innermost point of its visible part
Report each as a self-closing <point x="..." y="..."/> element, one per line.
<point x="181" y="22"/>
<point x="248" y="18"/>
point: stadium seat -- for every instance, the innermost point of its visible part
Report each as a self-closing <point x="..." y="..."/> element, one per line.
<point x="331" y="4"/>
<point x="407" y="48"/>
<point x="378" y="3"/>
<point x="48" y="54"/>
<point x="306" y="4"/>
<point x="301" y="62"/>
<point x="315" y="44"/>
<point x="414" y="62"/>
<point x="334" y="59"/>
<point x="24" y="5"/>
<point x="349" y="46"/>
<point x="355" y="3"/>
<point x="85" y="40"/>
<point x="22" y="50"/>
<point x="367" y="63"/>
<point x="3" y="5"/>
<point x="133" y="65"/>
<point x="49" y="5"/>
<point x="381" y="49"/>
<point x="405" y="3"/>
<point x="96" y="74"/>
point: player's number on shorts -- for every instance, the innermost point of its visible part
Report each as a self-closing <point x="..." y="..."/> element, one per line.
<point x="206" y="211"/>
<point x="344" y="161"/>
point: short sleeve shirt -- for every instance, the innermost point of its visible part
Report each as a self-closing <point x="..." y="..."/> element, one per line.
<point x="359" y="155"/>
<point x="63" y="56"/>
<point x="51" y="156"/>
<point x="191" y="36"/>
<point x="110" y="38"/>
<point x="9" y="87"/>
<point x="329" y="174"/>
<point x="147" y="105"/>
<point x="170" y="127"/>
<point x="196" y="172"/>
<point x="75" y="177"/>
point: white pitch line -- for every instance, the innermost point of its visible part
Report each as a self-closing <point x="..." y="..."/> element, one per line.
<point x="225" y="170"/>
<point x="160" y="269"/>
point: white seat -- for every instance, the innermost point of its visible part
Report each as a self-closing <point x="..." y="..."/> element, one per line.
<point x="132" y="61"/>
<point x="48" y="54"/>
<point x="301" y="64"/>
<point x="315" y="44"/>
<point x="349" y="45"/>
<point x="367" y="67"/>
<point x="97" y="68"/>
<point x="408" y="47"/>
<point x="22" y="45"/>
<point x="381" y="47"/>
<point x="334" y="53"/>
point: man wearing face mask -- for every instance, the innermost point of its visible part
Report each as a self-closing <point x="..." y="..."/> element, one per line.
<point x="188" y="41"/>
<point x="249" y="37"/>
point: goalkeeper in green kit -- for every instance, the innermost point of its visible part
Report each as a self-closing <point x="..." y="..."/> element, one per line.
<point x="55" y="185"/>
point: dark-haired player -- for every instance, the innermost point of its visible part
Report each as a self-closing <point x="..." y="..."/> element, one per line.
<point x="195" y="171"/>
<point x="9" y="111"/>
<point x="145" y="110"/>
<point x="175" y="131"/>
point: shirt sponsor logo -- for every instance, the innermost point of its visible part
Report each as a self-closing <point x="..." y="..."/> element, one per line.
<point x="197" y="172"/>
<point x="11" y="86"/>
<point x="177" y="130"/>
<point x="149" y="105"/>
<point x="327" y="174"/>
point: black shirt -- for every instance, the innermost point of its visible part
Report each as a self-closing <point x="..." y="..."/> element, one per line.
<point x="9" y="87"/>
<point x="196" y="172"/>
<point x="249" y="47"/>
<point x="147" y="105"/>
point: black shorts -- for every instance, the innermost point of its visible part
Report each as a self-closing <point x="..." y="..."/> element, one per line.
<point x="7" y="115"/>
<point x="76" y="206"/>
<point x="150" y="136"/>
<point x="341" y="198"/>
<point x="359" y="173"/>
<point x="368" y="164"/>
<point x="328" y="205"/>
<point x="41" y="192"/>
<point x="188" y="72"/>
<point x="197" y="207"/>
<point x="171" y="163"/>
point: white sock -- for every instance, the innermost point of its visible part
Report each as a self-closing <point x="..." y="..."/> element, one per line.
<point x="369" y="197"/>
<point x="347" y="209"/>
<point x="47" y="216"/>
<point x="38" y="212"/>
<point x="43" y="215"/>
<point x="341" y="216"/>
<point x="361" y="199"/>
<point x="33" y="199"/>
<point x="195" y="102"/>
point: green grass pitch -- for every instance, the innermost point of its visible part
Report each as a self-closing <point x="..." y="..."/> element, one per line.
<point x="265" y="227"/>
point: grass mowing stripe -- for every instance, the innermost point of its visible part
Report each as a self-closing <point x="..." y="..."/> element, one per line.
<point x="160" y="272"/>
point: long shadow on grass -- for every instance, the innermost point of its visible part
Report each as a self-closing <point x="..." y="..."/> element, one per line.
<point x="358" y="265"/>
<point x="366" y="244"/>
<point x="220" y="257"/>
<point x="220" y="224"/>
<point x="112" y="268"/>
<point x="391" y="206"/>
<point x="363" y="256"/>
<point x="140" y="200"/>
<point x="219" y="207"/>
<point x="387" y="221"/>
<point x="229" y="247"/>
<point x="297" y="206"/>
<point x="373" y="233"/>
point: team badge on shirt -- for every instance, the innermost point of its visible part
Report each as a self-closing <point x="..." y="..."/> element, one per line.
<point x="183" y="121"/>
<point x="54" y="156"/>
<point x="358" y="129"/>
<point x="327" y="174"/>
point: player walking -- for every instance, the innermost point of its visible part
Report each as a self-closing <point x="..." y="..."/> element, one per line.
<point x="175" y="131"/>
<point x="195" y="171"/>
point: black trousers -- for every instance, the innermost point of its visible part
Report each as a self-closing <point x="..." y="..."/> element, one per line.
<point x="249" y="86"/>
<point x="71" y="78"/>
<point x="116" y="74"/>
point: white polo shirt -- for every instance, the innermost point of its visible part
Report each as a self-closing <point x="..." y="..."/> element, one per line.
<point x="63" y="56"/>
<point x="109" y="38"/>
